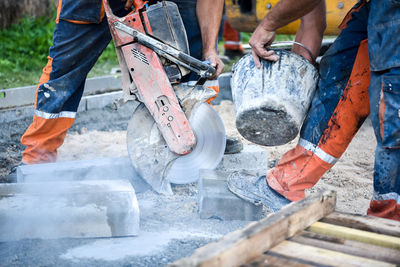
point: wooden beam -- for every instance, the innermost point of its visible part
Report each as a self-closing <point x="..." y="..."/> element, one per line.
<point x="323" y="256"/>
<point x="348" y="246"/>
<point x="355" y="234"/>
<point x="247" y="244"/>
<point x="366" y="223"/>
<point x="275" y="260"/>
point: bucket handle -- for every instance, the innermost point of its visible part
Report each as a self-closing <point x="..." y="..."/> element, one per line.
<point x="285" y="43"/>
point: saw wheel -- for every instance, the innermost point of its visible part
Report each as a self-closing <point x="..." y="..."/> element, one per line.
<point x="157" y="165"/>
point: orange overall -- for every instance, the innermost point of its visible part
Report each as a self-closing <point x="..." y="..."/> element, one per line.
<point x="345" y="97"/>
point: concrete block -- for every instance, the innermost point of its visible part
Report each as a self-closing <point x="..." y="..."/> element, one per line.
<point x="17" y="97"/>
<point x="102" y="100"/>
<point x="216" y="201"/>
<point x="252" y="158"/>
<point x="99" y="85"/>
<point x="82" y="105"/>
<point x="15" y="114"/>
<point x="225" y="92"/>
<point x="23" y="96"/>
<point x="77" y="209"/>
<point x="86" y="103"/>
<point x="82" y="170"/>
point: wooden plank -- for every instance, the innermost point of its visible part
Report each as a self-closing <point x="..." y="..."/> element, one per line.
<point x="355" y="234"/>
<point x="276" y="260"/>
<point x="366" y="223"/>
<point x="247" y="244"/>
<point x="348" y="246"/>
<point x="327" y="257"/>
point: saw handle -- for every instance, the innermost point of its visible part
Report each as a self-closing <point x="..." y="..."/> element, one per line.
<point x="210" y="70"/>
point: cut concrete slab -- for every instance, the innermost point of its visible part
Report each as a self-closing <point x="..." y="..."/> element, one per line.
<point x="225" y="92"/>
<point x="94" y="169"/>
<point x="252" y="158"/>
<point x="97" y="208"/>
<point x="217" y="202"/>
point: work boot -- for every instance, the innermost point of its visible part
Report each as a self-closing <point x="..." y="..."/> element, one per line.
<point x="233" y="145"/>
<point x="256" y="190"/>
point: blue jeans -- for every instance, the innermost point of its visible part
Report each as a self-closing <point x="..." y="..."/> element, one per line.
<point x="384" y="91"/>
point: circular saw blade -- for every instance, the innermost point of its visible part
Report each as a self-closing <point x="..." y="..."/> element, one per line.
<point x="157" y="165"/>
<point x="211" y="140"/>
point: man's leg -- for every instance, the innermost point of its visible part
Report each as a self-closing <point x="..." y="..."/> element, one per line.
<point x="232" y="41"/>
<point x="303" y="166"/>
<point x="384" y="54"/>
<point x="385" y="116"/>
<point x="76" y="47"/>
<point x="338" y="109"/>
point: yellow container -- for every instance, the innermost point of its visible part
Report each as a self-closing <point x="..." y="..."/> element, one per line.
<point x="245" y="15"/>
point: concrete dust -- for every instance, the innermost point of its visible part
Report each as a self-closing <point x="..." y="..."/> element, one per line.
<point x="95" y="144"/>
<point x="147" y="243"/>
<point x="170" y="225"/>
<point x="351" y="177"/>
<point x="170" y="229"/>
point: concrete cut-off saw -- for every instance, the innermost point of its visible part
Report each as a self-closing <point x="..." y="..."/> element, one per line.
<point x="173" y="132"/>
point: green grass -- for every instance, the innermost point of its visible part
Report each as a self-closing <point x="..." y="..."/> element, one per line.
<point x="23" y="51"/>
<point x="24" y="48"/>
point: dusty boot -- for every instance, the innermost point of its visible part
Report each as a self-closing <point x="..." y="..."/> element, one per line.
<point x="233" y="145"/>
<point x="256" y="190"/>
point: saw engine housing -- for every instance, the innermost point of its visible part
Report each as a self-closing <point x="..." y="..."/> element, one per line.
<point x="151" y="61"/>
<point x="153" y="53"/>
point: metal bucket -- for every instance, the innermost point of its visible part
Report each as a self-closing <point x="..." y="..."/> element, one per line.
<point x="272" y="102"/>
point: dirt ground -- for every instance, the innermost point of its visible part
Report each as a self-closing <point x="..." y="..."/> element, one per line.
<point x="351" y="177"/>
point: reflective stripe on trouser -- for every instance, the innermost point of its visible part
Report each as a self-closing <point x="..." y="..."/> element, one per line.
<point x="303" y="166"/>
<point x="75" y="50"/>
<point x="339" y="108"/>
<point x="231" y="38"/>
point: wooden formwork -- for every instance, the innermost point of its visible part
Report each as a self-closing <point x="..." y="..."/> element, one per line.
<point x="306" y="233"/>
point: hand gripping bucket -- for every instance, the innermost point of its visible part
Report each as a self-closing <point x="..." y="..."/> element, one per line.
<point x="272" y="102"/>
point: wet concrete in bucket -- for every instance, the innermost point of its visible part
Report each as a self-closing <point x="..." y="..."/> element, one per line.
<point x="271" y="102"/>
<point x="170" y="228"/>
